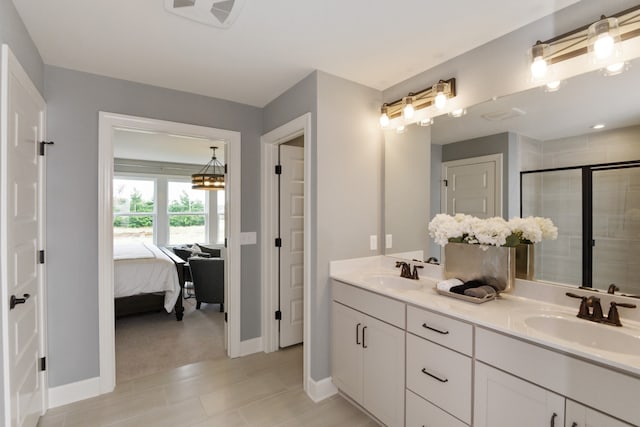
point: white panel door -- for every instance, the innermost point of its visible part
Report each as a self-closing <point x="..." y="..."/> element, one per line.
<point x="383" y="371"/>
<point x="23" y="115"/>
<point x="502" y="400"/>
<point x="471" y="189"/>
<point x="292" y="250"/>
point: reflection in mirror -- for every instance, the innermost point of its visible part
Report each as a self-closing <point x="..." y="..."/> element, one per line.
<point x="552" y="130"/>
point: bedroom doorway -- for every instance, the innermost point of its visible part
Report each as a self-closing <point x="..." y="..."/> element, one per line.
<point x="158" y="218"/>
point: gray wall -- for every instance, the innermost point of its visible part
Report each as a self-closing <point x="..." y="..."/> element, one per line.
<point x="74" y="99"/>
<point x="349" y="201"/>
<point x="483" y="146"/>
<point x="14" y="34"/>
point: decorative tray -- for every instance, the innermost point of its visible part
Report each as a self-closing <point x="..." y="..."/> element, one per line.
<point x="466" y="297"/>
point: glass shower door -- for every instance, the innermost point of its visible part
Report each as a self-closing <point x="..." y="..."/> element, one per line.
<point x="616" y="228"/>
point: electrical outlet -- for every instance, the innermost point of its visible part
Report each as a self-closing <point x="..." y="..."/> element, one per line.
<point x="373" y="242"/>
<point x="388" y="241"/>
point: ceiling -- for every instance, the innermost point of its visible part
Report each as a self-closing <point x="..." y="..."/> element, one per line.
<point x="273" y="44"/>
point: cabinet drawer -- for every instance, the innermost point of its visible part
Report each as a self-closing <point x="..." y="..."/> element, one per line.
<point x="440" y="375"/>
<point x="421" y="413"/>
<point x="378" y="306"/>
<point x="440" y="329"/>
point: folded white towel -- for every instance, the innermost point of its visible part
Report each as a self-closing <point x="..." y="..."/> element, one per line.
<point x="446" y="285"/>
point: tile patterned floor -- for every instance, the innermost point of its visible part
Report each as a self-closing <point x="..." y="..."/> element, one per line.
<point x="258" y="390"/>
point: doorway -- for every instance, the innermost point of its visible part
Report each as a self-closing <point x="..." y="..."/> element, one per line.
<point x="270" y="225"/>
<point x="109" y="122"/>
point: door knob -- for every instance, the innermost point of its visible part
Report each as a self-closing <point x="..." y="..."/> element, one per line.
<point x="15" y="301"/>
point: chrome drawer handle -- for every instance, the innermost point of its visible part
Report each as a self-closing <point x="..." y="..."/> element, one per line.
<point x="442" y="380"/>
<point x="424" y="325"/>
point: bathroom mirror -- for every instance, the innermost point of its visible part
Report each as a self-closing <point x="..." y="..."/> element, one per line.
<point x="541" y="130"/>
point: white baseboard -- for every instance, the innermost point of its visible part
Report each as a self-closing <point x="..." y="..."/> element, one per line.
<point x="73" y="392"/>
<point x="251" y="346"/>
<point x="320" y="390"/>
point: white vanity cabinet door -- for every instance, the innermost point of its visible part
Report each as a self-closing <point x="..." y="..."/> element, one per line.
<point x="383" y="371"/>
<point x="502" y="400"/>
<point x="346" y="369"/>
<point x="368" y="363"/>
<point x="580" y="416"/>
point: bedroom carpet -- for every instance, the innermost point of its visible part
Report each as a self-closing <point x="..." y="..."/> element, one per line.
<point x="156" y="342"/>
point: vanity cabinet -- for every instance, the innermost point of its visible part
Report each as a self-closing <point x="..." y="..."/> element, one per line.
<point x="578" y="415"/>
<point x="368" y="361"/>
<point x="502" y="400"/>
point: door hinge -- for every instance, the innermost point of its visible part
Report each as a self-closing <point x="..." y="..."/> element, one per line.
<point x="225" y="242"/>
<point x="278" y="169"/>
<point x="278" y="315"/>
<point x="446" y="182"/>
<point x="43" y="363"/>
<point x="226" y="317"/>
<point x="42" y="144"/>
<point x="278" y="242"/>
<point x="41" y="257"/>
<point x="226" y="170"/>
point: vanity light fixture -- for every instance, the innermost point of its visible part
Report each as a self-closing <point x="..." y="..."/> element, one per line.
<point x="458" y="112"/>
<point x="428" y="121"/>
<point x="211" y="176"/>
<point x="412" y="108"/>
<point x="552" y="86"/>
<point x="601" y="40"/>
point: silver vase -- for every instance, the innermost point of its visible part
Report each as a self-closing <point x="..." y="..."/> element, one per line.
<point x="494" y="265"/>
<point x="525" y="257"/>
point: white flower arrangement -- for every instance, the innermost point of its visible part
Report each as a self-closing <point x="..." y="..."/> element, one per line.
<point x="491" y="231"/>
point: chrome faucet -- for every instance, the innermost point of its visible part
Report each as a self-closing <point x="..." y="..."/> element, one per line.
<point x="595" y="314"/>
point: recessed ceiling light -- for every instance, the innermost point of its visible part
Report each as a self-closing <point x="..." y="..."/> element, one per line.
<point x="552" y="86"/>
<point x="598" y="126"/>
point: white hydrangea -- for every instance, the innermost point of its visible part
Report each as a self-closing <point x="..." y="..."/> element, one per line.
<point x="492" y="231"/>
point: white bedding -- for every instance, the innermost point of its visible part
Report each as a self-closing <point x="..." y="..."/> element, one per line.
<point x="144" y="269"/>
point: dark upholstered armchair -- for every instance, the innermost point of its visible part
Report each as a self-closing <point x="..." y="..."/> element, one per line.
<point x="207" y="275"/>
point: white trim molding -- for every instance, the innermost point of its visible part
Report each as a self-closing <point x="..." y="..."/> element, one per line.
<point x="269" y="155"/>
<point x="107" y="123"/>
<point x="251" y="346"/>
<point x="320" y="390"/>
<point x="73" y="392"/>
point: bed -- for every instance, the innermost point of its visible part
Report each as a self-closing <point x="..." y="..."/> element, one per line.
<point x="147" y="278"/>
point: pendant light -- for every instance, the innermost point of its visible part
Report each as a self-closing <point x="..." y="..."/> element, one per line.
<point x="211" y="176"/>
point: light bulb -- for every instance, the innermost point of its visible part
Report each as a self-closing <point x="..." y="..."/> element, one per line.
<point x="538" y="68"/>
<point x="408" y="110"/>
<point x="613" y="69"/>
<point x="603" y="46"/>
<point x="552" y="86"/>
<point x="384" y="120"/>
<point x="441" y="100"/>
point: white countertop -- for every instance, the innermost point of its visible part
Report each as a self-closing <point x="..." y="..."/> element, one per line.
<point x="506" y="314"/>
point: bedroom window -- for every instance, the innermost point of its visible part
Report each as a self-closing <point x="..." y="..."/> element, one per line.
<point x="187" y="213"/>
<point x="134" y="213"/>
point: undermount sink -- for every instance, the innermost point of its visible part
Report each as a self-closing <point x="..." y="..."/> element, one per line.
<point x="393" y="282"/>
<point x="586" y="333"/>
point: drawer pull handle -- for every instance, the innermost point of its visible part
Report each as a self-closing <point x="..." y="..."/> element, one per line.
<point x="424" y="325"/>
<point x="553" y="419"/>
<point x="574" y="424"/>
<point x="358" y="333"/>
<point x="442" y="380"/>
